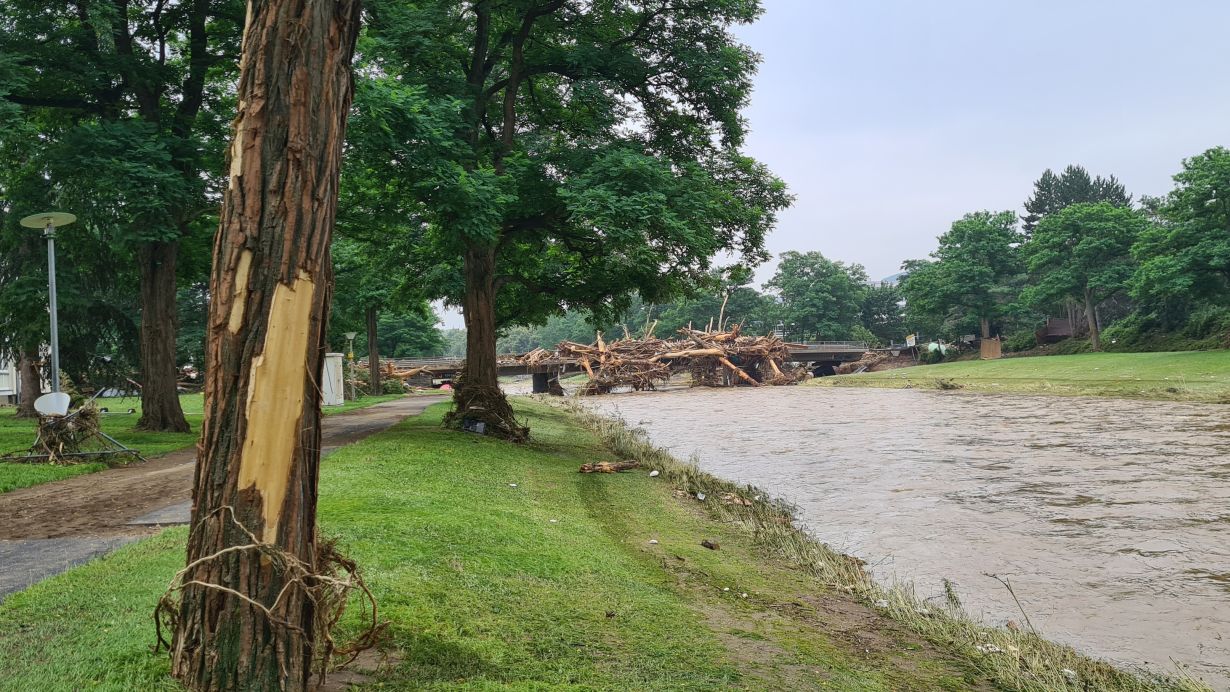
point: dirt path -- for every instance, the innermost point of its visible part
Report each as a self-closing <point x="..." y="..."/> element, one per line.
<point x="101" y="505"/>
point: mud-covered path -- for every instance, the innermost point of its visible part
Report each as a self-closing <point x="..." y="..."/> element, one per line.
<point x="51" y="527"/>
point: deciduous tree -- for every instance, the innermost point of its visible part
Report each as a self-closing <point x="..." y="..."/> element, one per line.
<point x="974" y="273"/>
<point x="134" y="89"/>
<point x="1185" y="258"/>
<point x="821" y="297"/>
<point x="1083" y="253"/>
<point x="566" y="155"/>
<point x="247" y="619"/>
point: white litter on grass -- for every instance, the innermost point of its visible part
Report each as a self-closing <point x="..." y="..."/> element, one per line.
<point x="881" y="603"/>
<point x="726" y="588"/>
<point x="512" y="485"/>
<point x="743" y="595"/>
<point x="1070" y="673"/>
<point x="555" y="521"/>
<point x="653" y="541"/>
<point x="653" y="473"/>
<point x="989" y="649"/>
<point x="700" y="496"/>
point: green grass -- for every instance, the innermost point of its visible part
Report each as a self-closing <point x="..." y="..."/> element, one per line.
<point x="548" y="584"/>
<point x="17" y="434"/>
<point x="1202" y="376"/>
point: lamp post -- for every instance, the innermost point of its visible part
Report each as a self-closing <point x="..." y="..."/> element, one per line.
<point x="48" y="222"/>
<point x="350" y="360"/>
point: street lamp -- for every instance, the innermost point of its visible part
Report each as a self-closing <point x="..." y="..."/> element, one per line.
<point x="48" y="222"/>
<point x="350" y="358"/>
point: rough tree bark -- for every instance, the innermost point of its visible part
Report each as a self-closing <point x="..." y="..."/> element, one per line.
<point x="373" y="353"/>
<point x="31" y="383"/>
<point x="260" y="446"/>
<point x="478" y="396"/>
<point x="985" y="324"/>
<point x="1091" y="318"/>
<point x="160" y="409"/>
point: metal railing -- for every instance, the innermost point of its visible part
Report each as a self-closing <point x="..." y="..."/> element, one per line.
<point x="828" y="345"/>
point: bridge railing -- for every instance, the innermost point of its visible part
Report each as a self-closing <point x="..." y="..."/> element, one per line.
<point x="828" y="345"/>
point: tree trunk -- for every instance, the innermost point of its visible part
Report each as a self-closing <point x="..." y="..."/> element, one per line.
<point x="478" y="396"/>
<point x="31" y="383"/>
<point x="260" y="447"/>
<point x="1095" y="336"/>
<point x="986" y="327"/>
<point x="160" y="409"/>
<point x="373" y="352"/>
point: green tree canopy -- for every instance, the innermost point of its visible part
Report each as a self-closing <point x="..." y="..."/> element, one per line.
<point x="1082" y="253"/>
<point x="1185" y="258"/>
<point x="1073" y="186"/>
<point x="561" y="155"/>
<point x="972" y="276"/>
<point x="882" y="313"/>
<point x="131" y="100"/>
<point x="819" y="298"/>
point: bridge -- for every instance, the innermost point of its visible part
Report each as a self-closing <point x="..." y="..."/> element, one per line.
<point x="818" y="355"/>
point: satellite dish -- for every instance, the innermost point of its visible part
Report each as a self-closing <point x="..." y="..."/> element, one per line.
<point x="53" y="404"/>
<point x="55" y="218"/>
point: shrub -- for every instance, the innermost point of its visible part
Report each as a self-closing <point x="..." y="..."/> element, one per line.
<point x="1020" y="341"/>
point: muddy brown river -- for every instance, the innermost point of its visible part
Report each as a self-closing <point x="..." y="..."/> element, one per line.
<point x="1110" y="517"/>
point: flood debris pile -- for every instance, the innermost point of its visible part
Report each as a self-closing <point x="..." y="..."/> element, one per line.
<point x="869" y="361"/>
<point x="713" y="358"/>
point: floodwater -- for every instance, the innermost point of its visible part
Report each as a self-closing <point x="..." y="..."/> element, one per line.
<point x="1110" y="517"/>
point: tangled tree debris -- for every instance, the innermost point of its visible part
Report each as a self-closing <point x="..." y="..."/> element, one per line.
<point x="869" y="360"/>
<point x="609" y="466"/>
<point x="714" y="359"/>
<point x="73" y="439"/>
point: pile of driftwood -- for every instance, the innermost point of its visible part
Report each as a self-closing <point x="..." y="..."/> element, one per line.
<point x="714" y="359"/>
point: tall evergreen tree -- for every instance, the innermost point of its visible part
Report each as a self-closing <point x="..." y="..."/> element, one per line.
<point x="1073" y="186"/>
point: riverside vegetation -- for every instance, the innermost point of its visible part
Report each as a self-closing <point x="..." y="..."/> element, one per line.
<point x="1198" y="376"/>
<point x="499" y="566"/>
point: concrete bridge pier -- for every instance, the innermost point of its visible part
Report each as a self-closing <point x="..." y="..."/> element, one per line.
<point x="541" y="382"/>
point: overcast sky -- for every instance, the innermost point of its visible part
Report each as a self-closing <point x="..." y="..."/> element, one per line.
<point x="889" y="119"/>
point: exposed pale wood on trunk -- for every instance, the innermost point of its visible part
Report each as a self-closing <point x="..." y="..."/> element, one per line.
<point x="260" y="446"/>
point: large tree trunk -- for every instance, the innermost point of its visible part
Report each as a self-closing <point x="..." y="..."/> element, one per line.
<point x="373" y="352"/>
<point x="260" y="447"/>
<point x="986" y="327"/>
<point x="1091" y="317"/>
<point x="31" y="383"/>
<point x="160" y="409"/>
<point x="478" y="397"/>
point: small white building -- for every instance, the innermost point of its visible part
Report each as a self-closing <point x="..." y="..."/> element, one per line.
<point x="9" y="382"/>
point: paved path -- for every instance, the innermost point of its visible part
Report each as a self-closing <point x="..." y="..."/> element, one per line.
<point x="49" y="528"/>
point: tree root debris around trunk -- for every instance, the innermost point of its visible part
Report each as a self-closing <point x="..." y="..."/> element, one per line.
<point x="326" y="584"/>
<point x="475" y="404"/>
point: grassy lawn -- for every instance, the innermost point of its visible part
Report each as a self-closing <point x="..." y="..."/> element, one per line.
<point x="501" y="567"/>
<point x="1202" y="376"/>
<point x="17" y="434"/>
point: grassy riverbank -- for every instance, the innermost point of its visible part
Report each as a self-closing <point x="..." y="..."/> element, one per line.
<point x="501" y="567"/>
<point x="1201" y="376"/>
<point x="16" y="434"/>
